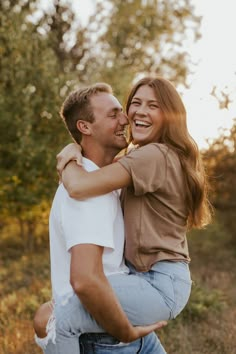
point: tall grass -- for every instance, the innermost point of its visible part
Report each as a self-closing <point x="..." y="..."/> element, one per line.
<point x="206" y="326"/>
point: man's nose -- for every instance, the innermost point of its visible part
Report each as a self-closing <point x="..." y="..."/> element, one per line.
<point x="123" y="119"/>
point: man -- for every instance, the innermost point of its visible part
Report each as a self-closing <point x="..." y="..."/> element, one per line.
<point x="86" y="242"/>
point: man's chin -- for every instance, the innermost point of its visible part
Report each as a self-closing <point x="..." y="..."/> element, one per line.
<point x="122" y="144"/>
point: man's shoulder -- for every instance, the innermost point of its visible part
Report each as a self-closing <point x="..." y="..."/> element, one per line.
<point x="59" y="196"/>
<point x="60" y="191"/>
<point x="63" y="199"/>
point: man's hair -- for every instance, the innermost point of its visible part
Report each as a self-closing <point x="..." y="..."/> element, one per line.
<point x="78" y="106"/>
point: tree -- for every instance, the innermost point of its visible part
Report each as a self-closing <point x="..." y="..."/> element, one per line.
<point x="220" y="160"/>
<point x="42" y="58"/>
<point x="67" y="38"/>
<point x="29" y="90"/>
<point x="142" y="37"/>
<point x="124" y="39"/>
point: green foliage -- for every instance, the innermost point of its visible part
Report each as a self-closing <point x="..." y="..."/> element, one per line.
<point x="30" y="96"/>
<point x="29" y="91"/>
<point x="143" y="37"/>
<point x="203" y="300"/>
<point x="220" y="160"/>
<point x="69" y="41"/>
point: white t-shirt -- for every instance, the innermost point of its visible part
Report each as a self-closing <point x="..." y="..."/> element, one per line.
<point x="96" y="221"/>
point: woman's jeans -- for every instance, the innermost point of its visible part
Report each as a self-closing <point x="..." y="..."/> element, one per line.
<point x="159" y="294"/>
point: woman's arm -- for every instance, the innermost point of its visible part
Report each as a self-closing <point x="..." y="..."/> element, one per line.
<point x="71" y="152"/>
<point x="81" y="184"/>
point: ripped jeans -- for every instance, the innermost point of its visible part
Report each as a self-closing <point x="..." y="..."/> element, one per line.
<point x="159" y="294"/>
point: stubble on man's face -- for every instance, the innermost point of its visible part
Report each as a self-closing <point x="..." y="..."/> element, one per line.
<point x="109" y="127"/>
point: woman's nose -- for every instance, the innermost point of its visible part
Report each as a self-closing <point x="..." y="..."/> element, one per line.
<point x="141" y="110"/>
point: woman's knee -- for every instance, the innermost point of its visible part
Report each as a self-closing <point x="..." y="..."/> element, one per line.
<point x="41" y="318"/>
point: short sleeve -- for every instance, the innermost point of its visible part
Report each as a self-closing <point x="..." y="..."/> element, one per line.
<point x="147" y="167"/>
<point x="88" y="221"/>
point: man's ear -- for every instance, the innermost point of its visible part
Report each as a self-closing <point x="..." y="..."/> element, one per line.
<point x="83" y="127"/>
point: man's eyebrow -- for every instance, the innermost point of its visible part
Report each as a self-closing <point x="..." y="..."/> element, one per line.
<point x="115" y="109"/>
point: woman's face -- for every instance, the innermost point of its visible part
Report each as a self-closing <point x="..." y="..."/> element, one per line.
<point x="145" y="117"/>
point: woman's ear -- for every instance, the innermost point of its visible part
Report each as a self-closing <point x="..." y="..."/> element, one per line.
<point x="83" y="127"/>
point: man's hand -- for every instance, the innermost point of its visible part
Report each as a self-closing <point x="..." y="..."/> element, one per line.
<point x="68" y="153"/>
<point x="142" y="331"/>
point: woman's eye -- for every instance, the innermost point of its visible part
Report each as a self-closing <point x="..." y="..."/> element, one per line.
<point x="135" y="103"/>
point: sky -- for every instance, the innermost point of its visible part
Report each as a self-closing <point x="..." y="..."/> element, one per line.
<point x="215" y="58"/>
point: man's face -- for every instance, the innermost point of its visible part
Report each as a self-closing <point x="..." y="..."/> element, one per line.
<point x="108" y="129"/>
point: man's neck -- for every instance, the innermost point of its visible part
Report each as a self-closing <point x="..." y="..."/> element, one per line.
<point x="101" y="157"/>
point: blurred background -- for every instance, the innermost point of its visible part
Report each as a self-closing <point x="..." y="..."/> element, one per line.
<point x="47" y="48"/>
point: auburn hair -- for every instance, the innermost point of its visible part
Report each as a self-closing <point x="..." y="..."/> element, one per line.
<point x="176" y="136"/>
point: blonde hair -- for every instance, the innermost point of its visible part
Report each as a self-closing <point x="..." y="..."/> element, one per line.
<point x="176" y="136"/>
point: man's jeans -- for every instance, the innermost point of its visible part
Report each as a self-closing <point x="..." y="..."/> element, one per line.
<point x="146" y="298"/>
<point x="94" y="343"/>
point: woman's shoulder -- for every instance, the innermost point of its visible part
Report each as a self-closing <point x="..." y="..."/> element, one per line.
<point x="151" y="151"/>
<point x="154" y="147"/>
<point x="157" y="151"/>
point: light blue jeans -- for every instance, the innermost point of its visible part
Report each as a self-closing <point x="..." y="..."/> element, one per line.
<point x="159" y="294"/>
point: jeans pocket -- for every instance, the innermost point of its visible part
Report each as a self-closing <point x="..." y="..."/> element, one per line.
<point x="182" y="290"/>
<point x="120" y="348"/>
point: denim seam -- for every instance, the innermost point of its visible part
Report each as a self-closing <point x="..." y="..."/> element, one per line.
<point x="186" y="281"/>
<point x="176" y="278"/>
<point x="174" y="299"/>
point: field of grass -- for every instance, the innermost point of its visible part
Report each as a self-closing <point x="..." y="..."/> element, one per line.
<point x="206" y="326"/>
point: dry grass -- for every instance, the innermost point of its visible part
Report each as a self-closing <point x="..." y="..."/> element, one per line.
<point x="206" y="326"/>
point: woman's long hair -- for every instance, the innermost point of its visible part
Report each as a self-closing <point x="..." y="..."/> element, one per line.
<point x="176" y="136"/>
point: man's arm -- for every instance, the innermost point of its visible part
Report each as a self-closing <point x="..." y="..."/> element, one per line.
<point x="92" y="287"/>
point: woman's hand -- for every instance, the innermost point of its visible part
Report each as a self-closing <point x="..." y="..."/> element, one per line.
<point x="71" y="152"/>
